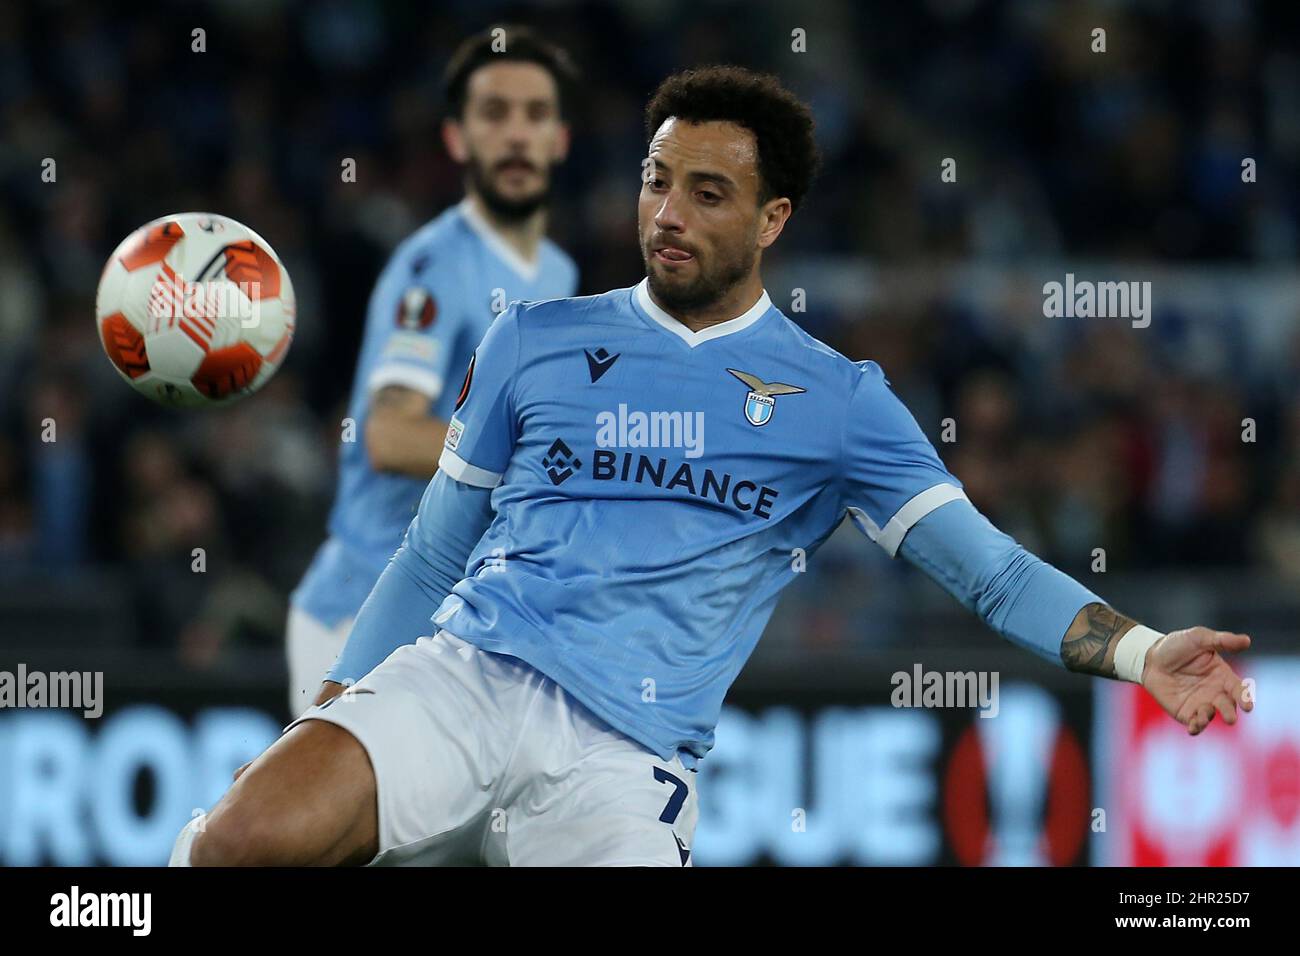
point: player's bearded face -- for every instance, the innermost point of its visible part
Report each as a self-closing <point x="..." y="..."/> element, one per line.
<point x="510" y="137"/>
<point x="698" y="215"/>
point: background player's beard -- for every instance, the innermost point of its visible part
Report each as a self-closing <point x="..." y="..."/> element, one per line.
<point x="504" y="208"/>
<point x="709" y="285"/>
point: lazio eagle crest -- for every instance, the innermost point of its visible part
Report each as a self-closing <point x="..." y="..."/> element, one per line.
<point x="761" y="400"/>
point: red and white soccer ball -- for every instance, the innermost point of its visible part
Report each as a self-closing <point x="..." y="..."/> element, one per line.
<point x="195" y="309"/>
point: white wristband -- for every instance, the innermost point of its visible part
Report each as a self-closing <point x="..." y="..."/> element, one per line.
<point x="1131" y="652"/>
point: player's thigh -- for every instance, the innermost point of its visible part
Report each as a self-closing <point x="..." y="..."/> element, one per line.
<point x="312" y="648"/>
<point x="621" y="806"/>
<point x="308" y="800"/>
<point x="427" y="720"/>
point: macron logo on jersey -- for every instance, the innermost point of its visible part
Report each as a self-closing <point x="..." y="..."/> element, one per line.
<point x="599" y="364"/>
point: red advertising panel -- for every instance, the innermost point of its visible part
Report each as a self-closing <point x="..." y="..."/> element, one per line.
<point x="1228" y="797"/>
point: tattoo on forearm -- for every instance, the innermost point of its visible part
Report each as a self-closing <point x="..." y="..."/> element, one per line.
<point x="1089" y="644"/>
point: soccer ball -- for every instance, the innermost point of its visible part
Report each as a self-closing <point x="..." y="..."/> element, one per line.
<point x="195" y="309"/>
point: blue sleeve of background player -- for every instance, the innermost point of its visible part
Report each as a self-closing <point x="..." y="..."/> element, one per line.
<point x="432" y="558"/>
<point x="416" y="311"/>
<point x="1023" y="598"/>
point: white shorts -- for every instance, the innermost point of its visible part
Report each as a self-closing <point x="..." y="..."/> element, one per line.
<point x="312" y="648"/>
<point x="480" y="759"/>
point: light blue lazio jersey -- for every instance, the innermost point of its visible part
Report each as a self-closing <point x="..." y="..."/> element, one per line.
<point x="436" y="297"/>
<point x="652" y="485"/>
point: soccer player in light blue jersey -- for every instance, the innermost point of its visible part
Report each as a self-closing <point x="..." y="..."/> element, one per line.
<point x="436" y="297"/>
<point x="623" y="482"/>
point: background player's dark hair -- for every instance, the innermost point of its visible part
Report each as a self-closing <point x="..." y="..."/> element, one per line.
<point x="522" y="45"/>
<point x="781" y="123"/>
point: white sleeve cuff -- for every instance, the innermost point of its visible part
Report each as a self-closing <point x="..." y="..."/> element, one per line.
<point x="460" y="470"/>
<point x="407" y="376"/>
<point x="890" y="537"/>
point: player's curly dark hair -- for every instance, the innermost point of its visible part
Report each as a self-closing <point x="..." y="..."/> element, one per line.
<point x="782" y="124"/>
<point x="512" y="44"/>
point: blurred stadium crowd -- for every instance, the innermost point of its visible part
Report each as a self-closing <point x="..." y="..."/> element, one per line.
<point x="1094" y="435"/>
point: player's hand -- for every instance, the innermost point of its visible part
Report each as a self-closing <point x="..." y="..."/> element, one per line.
<point x="1187" y="675"/>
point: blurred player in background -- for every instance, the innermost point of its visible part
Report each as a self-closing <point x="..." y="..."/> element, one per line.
<point x="598" y="589"/>
<point x="436" y="297"/>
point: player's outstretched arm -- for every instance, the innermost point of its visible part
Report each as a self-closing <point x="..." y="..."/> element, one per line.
<point x="1047" y="612"/>
<point x="431" y="560"/>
